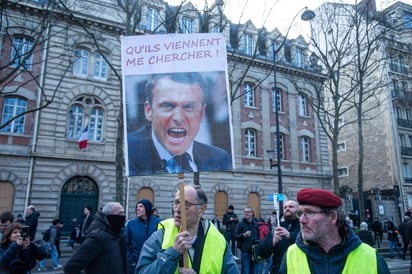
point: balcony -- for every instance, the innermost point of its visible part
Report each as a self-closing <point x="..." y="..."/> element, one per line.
<point x="408" y="180"/>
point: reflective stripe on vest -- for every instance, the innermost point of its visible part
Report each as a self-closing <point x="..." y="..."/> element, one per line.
<point x="213" y="249"/>
<point x="361" y="260"/>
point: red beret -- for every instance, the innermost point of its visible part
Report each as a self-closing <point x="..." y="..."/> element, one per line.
<point x="318" y="197"/>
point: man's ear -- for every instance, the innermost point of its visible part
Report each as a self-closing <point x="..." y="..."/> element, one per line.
<point x="148" y="111"/>
<point x="333" y="215"/>
<point x="202" y="210"/>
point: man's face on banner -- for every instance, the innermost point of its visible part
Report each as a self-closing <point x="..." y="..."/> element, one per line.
<point x="176" y="112"/>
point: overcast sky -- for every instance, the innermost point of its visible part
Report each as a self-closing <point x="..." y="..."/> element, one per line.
<point x="274" y="13"/>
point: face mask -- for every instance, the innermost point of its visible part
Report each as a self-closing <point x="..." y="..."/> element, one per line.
<point x="117" y="222"/>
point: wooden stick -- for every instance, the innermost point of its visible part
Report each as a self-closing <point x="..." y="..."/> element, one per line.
<point x="183" y="226"/>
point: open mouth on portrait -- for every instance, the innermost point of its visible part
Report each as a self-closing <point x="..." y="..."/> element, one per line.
<point x="176" y="133"/>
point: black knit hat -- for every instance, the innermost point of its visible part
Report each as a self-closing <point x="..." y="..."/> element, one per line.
<point x="147" y="205"/>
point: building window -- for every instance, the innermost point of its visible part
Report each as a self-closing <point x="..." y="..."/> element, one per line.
<point x="152" y="19"/>
<point x="275" y="51"/>
<point x="21" y="54"/>
<point x="406" y="171"/>
<point x="86" y="111"/>
<point x="187" y="25"/>
<point x="277" y="100"/>
<point x="281" y="146"/>
<point x="403" y="140"/>
<point x="250" y="143"/>
<point x="14" y="106"/>
<point x="343" y="172"/>
<point x="220" y="204"/>
<point x="341" y="122"/>
<point x="341" y="146"/>
<point x="96" y="124"/>
<point x="302" y="104"/>
<point x="248" y="44"/>
<point x="215" y="29"/>
<point x="76" y="122"/>
<point x="249" y="95"/>
<point x="305" y="148"/>
<point x="81" y="62"/>
<point x="408" y="114"/>
<point x="100" y="67"/>
<point x="299" y="60"/>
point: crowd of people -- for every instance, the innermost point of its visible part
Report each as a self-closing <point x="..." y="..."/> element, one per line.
<point x="312" y="236"/>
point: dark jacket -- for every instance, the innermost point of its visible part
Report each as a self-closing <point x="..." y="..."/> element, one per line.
<point x="265" y="249"/>
<point x="84" y="226"/>
<point x="32" y="221"/>
<point x="137" y="232"/>
<point x="245" y="243"/>
<point x="392" y="232"/>
<point x="18" y="260"/>
<point x="144" y="159"/>
<point x="366" y="237"/>
<point x="230" y="224"/>
<point x="102" y="252"/>
<point x="333" y="261"/>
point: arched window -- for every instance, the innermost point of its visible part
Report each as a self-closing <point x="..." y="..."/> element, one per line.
<point x="84" y="111"/>
<point x="145" y="193"/>
<point x="250" y="142"/>
<point x="253" y="201"/>
<point x="12" y="107"/>
<point x="220" y="204"/>
<point x="96" y="124"/>
<point x="6" y="196"/>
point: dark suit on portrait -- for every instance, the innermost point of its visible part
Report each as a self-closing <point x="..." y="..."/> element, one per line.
<point x="144" y="159"/>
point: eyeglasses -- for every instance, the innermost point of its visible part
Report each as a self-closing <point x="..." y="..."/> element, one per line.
<point x="187" y="204"/>
<point x="309" y="214"/>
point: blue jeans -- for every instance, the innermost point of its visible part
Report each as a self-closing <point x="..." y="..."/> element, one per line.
<point x="393" y="245"/>
<point x="268" y="261"/>
<point x="53" y="253"/>
<point x="248" y="266"/>
<point x="230" y="239"/>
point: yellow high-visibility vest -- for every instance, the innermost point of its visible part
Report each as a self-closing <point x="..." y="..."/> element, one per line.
<point x="361" y="260"/>
<point x="213" y="249"/>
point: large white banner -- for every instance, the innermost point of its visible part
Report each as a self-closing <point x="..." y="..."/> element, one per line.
<point x="176" y="104"/>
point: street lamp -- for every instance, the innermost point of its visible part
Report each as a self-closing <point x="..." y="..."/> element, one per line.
<point x="307" y="15"/>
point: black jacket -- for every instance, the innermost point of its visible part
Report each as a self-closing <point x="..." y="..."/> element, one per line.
<point x="102" y="252"/>
<point x="32" y="221"/>
<point x="266" y="248"/>
<point x="230" y="224"/>
<point x="245" y="243"/>
<point x="366" y="237"/>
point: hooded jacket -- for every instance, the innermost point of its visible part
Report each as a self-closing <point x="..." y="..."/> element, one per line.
<point x="102" y="252"/>
<point x="334" y="261"/>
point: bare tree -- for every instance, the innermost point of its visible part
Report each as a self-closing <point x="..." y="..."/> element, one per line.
<point x="347" y="48"/>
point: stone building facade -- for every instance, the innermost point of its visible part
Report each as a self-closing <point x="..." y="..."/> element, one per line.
<point x="75" y="70"/>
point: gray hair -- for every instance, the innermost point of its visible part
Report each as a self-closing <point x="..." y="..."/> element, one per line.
<point x="110" y="207"/>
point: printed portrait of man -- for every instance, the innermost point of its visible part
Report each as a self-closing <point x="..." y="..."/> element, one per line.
<point x="179" y="126"/>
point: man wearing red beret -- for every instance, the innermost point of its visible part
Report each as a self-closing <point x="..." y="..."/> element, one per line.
<point x="325" y="243"/>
